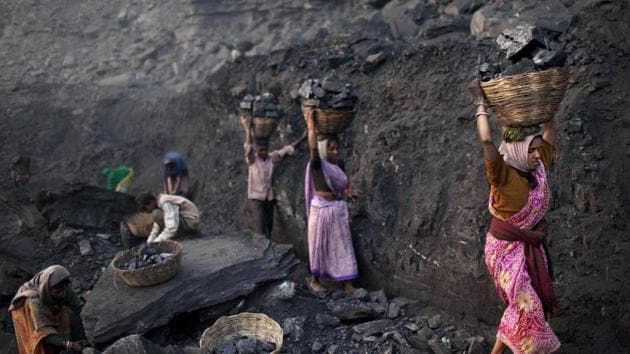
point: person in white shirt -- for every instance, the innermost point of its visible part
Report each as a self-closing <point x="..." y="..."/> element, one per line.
<point x="179" y="215"/>
<point x="261" y="163"/>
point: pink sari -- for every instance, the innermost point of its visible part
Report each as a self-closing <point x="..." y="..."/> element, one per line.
<point x="523" y="327"/>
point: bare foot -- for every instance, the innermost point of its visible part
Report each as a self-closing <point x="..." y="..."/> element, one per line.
<point x="499" y="347"/>
<point x="315" y="286"/>
<point x="348" y="288"/>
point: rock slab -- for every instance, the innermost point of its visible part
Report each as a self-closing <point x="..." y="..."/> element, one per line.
<point x="214" y="269"/>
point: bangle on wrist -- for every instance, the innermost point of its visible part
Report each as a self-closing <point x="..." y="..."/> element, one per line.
<point x="68" y="345"/>
<point x="481" y="114"/>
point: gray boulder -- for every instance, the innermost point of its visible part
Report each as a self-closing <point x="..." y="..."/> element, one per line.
<point x="214" y="270"/>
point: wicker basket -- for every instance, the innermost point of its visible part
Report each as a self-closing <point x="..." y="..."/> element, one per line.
<point x="526" y="99"/>
<point x="253" y="325"/>
<point x="140" y="224"/>
<point x="151" y="275"/>
<point x="332" y="121"/>
<point x="264" y="127"/>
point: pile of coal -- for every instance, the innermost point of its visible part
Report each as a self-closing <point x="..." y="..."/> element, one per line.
<point x="266" y="106"/>
<point x="246" y="106"/>
<point x="327" y="94"/>
<point x="526" y="48"/>
<point x="245" y="345"/>
<point x="145" y="256"/>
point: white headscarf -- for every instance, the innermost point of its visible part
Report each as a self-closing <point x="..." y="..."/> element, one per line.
<point x="515" y="153"/>
<point x="322" y="148"/>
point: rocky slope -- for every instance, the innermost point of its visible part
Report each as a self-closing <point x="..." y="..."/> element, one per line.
<point x="90" y="84"/>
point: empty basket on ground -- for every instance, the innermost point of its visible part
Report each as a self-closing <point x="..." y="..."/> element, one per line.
<point x="264" y="127"/>
<point x="153" y="274"/>
<point x="140" y="224"/>
<point x="333" y="121"/>
<point x="253" y="325"/>
<point x="526" y="99"/>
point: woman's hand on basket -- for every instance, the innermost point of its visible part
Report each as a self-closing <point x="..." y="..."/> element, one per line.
<point x="474" y="88"/>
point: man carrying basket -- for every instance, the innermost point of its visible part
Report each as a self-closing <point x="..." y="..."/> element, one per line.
<point x="261" y="164"/>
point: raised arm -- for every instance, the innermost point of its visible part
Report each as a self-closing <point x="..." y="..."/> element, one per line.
<point x="249" y="139"/>
<point x="311" y="130"/>
<point x="550" y="130"/>
<point x="483" y="124"/>
<point x="299" y="140"/>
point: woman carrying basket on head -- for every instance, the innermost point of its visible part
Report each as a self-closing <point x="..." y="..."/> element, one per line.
<point x="331" y="252"/>
<point x="515" y="251"/>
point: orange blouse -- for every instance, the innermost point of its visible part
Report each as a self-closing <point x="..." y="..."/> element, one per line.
<point x="510" y="190"/>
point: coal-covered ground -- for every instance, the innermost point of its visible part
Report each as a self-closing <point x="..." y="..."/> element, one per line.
<point x="419" y="228"/>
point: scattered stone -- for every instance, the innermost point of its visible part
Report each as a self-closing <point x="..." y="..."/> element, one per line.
<point x="373" y="61"/>
<point x="379" y="296"/>
<point x="412" y="327"/>
<point x="377" y="4"/>
<point x="337" y="294"/>
<point x="104" y="236"/>
<point x="284" y="291"/>
<point x="294" y="327"/>
<point x="369" y="339"/>
<point x="63" y="234"/>
<point x="317" y="346"/>
<point x="352" y="312"/>
<point x="332" y="349"/>
<point x="438" y="347"/>
<point x="418" y="342"/>
<point x="117" y="80"/>
<point x="135" y="344"/>
<point x="324" y="320"/>
<point x="85" y="248"/>
<point x="436" y="27"/>
<point x="393" y="310"/>
<point x="450" y="328"/>
<point x="372" y="327"/>
<point x="435" y="321"/>
<point x="360" y="294"/>
<point x="477" y="345"/>
<point x="425" y="333"/>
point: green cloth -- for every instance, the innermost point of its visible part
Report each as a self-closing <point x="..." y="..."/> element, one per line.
<point x="115" y="175"/>
<point x="73" y="303"/>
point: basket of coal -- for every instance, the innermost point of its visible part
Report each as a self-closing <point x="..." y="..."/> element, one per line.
<point x="333" y="104"/>
<point x="148" y="264"/>
<point x="266" y="115"/>
<point x="526" y="88"/>
<point x="246" y="106"/>
<point x="243" y="333"/>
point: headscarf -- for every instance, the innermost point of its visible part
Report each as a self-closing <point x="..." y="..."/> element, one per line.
<point x="39" y="287"/>
<point x="322" y="149"/>
<point x="180" y="169"/>
<point x="515" y="153"/>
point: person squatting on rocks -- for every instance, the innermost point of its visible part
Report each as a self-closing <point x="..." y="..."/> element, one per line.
<point x="261" y="163"/>
<point x="175" y="173"/>
<point x="179" y="215"/>
<point x="118" y="178"/>
<point x="20" y="171"/>
<point x="331" y="252"/>
<point x="515" y="251"/>
<point x="46" y="314"/>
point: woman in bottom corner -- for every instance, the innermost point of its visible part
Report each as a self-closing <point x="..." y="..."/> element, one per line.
<point x="515" y="250"/>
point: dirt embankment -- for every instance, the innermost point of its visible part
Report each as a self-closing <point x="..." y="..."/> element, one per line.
<point x="419" y="228"/>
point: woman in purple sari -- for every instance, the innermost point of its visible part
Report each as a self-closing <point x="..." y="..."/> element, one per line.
<point x="515" y="251"/>
<point x="330" y="247"/>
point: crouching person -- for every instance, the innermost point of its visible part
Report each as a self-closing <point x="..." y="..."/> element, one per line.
<point x="46" y="314"/>
<point x="177" y="214"/>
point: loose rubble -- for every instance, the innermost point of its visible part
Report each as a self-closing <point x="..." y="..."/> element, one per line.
<point x="327" y="94"/>
<point x="245" y="345"/>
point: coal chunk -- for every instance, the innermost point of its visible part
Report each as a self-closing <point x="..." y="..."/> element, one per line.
<point x="515" y="42"/>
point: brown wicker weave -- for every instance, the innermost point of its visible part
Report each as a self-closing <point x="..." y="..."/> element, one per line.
<point x="264" y="127"/>
<point x="526" y="99"/>
<point x="332" y="121"/>
<point x="253" y="325"/>
<point x="151" y="275"/>
<point x="140" y="224"/>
